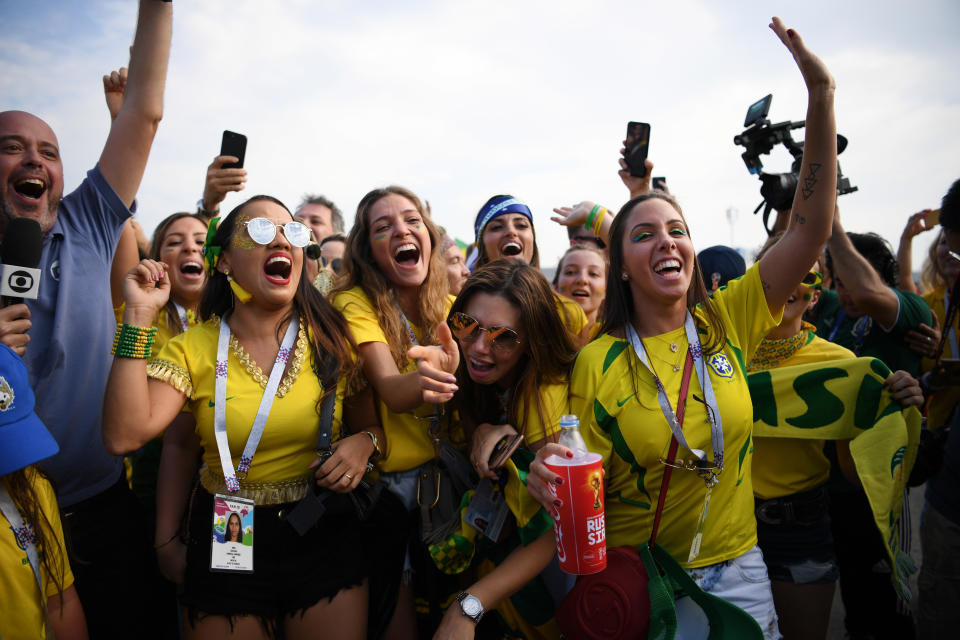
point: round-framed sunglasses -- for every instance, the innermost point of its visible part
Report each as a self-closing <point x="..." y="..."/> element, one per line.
<point x="467" y="329"/>
<point x="263" y="231"/>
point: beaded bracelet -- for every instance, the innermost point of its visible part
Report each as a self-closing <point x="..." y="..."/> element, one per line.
<point x="133" y="342"/>
<point x="599" y="221"/>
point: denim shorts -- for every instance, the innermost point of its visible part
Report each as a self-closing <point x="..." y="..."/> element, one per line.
<point x="741" y="581"/>
<point x="797" y="549"/>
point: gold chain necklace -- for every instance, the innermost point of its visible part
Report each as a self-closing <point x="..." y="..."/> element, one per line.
<point x="771" y="353"/>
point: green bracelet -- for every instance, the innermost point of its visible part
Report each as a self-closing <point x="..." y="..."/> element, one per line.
<point x="133" y="342"/>
<point x="593" y="212"/>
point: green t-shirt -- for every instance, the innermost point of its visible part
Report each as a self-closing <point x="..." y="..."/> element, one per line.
<point x="865" y="337"/>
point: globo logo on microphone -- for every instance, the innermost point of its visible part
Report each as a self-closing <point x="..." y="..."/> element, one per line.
<point x="19" y="282"/>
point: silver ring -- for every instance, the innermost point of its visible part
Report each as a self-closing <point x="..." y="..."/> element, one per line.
<point x="348" y="476"/>
<point x="929" y="339"/>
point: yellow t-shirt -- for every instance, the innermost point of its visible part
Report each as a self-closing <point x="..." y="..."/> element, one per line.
<point x="21" y="611"/>
<point x="616" y="399"/>
<point x="289" y="442"/>
<point x="408" y="444"/>
<point x="784" y="466"/>
<point x="942" y="402"/>
<point x="571" y="314"/>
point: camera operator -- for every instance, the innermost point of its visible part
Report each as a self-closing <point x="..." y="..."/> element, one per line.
<point x="65" y="334"/>
<point x="937" y="613"/>
<point x="870" y="316"/>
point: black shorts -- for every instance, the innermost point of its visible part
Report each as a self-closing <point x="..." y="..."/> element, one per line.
<point x="291" y="572"/>
<point x="794" y="534"/>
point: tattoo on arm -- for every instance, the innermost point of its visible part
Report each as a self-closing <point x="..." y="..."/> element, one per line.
<point x="766" y="285"/>
<point x="799" y="219"/>
<point x="810" y="180"/>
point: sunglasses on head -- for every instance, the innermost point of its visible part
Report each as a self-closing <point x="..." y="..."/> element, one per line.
<point x="263" y="231"/>
<point x="467" y="329"/>
<point x="812" y="279"/>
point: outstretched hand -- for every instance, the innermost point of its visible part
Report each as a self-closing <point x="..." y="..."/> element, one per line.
<point x="815" y="72"/>
<point x="575" y="216"/>
<point x="436" y="366"/>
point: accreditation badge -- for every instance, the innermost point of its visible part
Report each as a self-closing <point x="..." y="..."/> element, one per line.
<point x="232" y="538"/>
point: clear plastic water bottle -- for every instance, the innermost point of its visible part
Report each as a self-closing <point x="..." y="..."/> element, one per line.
<point x="570" y="436"/>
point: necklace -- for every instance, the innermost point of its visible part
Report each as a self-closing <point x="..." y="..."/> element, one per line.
<point x="674" y="348"/>
<point x="771" y="353"/>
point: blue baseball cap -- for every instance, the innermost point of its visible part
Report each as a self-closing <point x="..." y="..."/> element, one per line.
<point x="24" y="439"/>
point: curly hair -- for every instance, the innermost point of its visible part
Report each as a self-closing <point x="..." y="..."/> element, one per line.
<point x="361" y="270"/>
<point x="550" y="351"/>
<point x="877" y="252"/>
<point x="330" y="339"/>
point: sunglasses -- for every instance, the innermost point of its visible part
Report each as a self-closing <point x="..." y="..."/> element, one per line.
<point x="812" y="279"/>
<point x="467" y="329"/>
<point x="263" y="231"/>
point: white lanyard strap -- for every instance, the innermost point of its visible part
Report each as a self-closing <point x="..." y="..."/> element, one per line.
<point x="27" y="539"/>
<point x="950" y="332"/>
<point x="184" y="323"/>
<point x="266" y="402"/>
<point x="706" y="387"/>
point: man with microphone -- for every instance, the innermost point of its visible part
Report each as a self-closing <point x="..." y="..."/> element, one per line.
<point x="64" y="328"/>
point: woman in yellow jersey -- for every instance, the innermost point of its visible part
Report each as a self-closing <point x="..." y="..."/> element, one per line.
<point x="393" y="294"/>
<point x="658" y="320"/>
<point x="793" y="521"/>
<point x="263" y="376"/>
<point x="582" y="277"/>
<point x="504" y="228"/>
<point x="514" y="361"/>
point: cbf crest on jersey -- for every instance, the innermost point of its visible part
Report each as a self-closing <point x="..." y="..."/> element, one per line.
<point x="720" y="365"/>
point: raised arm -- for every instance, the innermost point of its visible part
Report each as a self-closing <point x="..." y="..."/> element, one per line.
<point x="916" y="224"/>
<point x="860" y="280"/>
<point x="783" y="267"/>
<point x="136" y="409"/>
<point x="125" y="153"/>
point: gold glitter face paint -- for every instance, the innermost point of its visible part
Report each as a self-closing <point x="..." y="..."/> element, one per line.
<point x="241" y="239"/>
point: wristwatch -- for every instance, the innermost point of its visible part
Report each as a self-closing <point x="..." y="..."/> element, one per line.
<point x="376" y="443"/>
<point x="471" y="606"/>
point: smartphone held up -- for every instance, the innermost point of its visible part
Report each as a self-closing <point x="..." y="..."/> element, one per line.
<point x="233" y="144"/>
<point x="635" y="148"/>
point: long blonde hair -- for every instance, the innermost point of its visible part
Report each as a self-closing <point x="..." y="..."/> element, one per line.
<point x="360" y="269"/>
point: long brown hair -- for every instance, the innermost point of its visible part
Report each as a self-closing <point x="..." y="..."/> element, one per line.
<point x="550" y="350"/>
<point x="361" y="270"/>
<point x="159" y="235"/>
<point x="618" y="307"/>
<point x="330" y="339"/>
<point x="20" y="486"/>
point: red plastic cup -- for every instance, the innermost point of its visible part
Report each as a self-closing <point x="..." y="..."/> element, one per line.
<point x="579" y="525"/>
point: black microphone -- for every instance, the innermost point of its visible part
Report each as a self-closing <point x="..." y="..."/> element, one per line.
<point x="20" y="255"/>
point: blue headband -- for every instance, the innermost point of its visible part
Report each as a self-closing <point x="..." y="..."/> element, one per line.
<point x="498" y="207"/>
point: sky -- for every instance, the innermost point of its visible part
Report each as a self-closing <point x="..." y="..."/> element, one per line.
<point x="460" y="101"/>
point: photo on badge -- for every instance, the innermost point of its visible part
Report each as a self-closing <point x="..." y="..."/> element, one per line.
<point x="232" y="537"/>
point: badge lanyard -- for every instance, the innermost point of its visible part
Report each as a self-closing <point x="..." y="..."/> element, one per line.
<point x="184" y="323"/>
<point x="26" y="537"/>
<point x="266" y="402"/>
<point x="708" y="473"/>
<point x="706" y="386"/>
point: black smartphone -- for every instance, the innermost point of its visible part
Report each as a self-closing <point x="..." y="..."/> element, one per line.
<point x="758" y="110"/>
<point x="659" y="182"/>
<point x="503" y="450"/>
<point x="635" y="149"/>
<point x="233" y="144"/>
